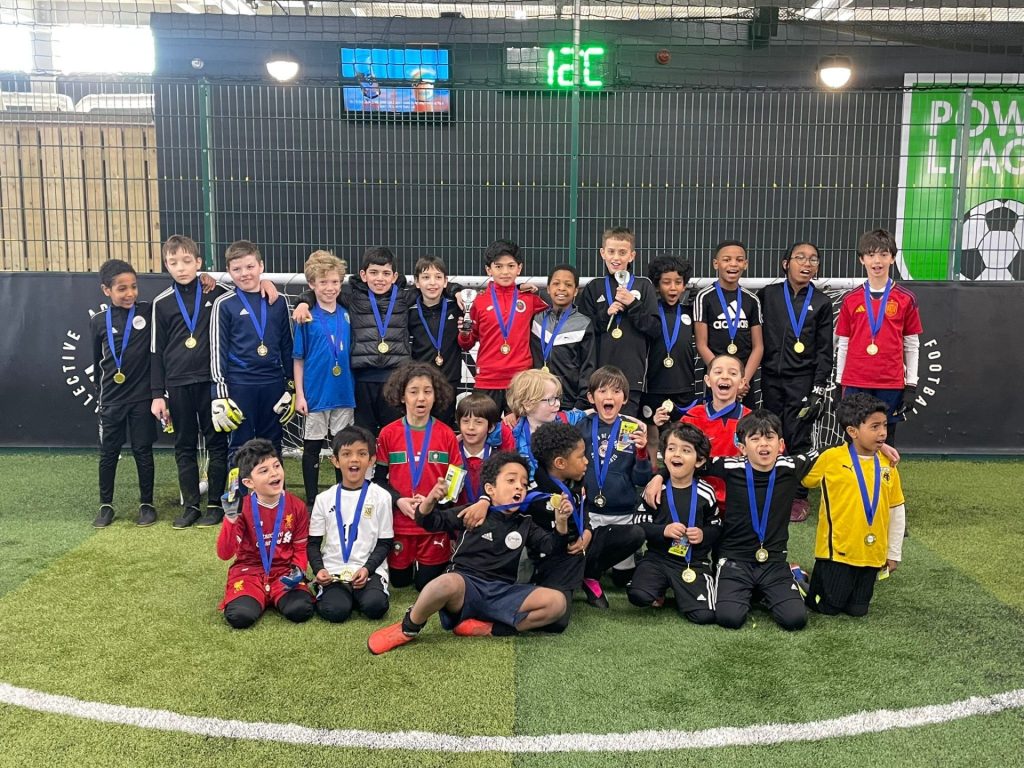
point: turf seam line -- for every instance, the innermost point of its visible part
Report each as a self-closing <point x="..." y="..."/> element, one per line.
<point x="638" y="741"/>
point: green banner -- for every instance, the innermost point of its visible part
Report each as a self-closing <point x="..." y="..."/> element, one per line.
<point x="946" y="197"/>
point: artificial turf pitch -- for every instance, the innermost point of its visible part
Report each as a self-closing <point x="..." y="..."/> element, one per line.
<point x="128" y="616"/>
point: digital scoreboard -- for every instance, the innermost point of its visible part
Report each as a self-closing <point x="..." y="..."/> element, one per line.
<point x="560" y="67"/>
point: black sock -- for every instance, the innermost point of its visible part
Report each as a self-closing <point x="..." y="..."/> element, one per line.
<point x="409" y="626"/>
<point x="503" y="630"/>
<point x="311" y="469"/>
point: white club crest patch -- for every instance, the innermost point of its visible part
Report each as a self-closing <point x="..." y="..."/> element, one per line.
<point x="514" y="540"/>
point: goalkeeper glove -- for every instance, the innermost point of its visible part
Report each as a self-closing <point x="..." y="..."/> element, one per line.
<point x="226" y="415"/>
<point x="909" y="393"/>
<point x="813" y="405"/>
<point x="285" y="407"/>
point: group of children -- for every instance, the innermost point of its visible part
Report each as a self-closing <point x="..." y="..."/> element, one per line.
<point x="553" y="441"/>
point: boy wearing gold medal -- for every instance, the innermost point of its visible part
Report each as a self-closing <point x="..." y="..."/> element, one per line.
<point x="251" y="355"/>
<point x="624" y="310"/>
<point x="324" y="390"/>
<point x="862" y="515"/>
<point x="500" y="321"/>
<point x="681" y="532"/>
<point x="878" y="333"/>
<point x="350" y="534"/>
<point x="120" y="355"/>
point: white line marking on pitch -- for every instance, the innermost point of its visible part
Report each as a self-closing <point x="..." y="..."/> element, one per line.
<point x="637" y="741"/>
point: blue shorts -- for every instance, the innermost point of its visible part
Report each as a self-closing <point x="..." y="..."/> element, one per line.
<point x="893" y="398"/>
<point x="489" y="601"/>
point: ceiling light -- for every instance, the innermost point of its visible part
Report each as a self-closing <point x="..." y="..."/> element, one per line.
<point x="835" y="72"/>
<point x="520" y="14"/>
<point x="283" y="69"/>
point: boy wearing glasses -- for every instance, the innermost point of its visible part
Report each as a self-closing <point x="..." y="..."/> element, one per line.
<point x="797" y="363"/>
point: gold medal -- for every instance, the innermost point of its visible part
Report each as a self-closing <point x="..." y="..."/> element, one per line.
<point x="262" y="350"/>
<point x="545" y="369"/>
<point x="600" y="501"/>
<point x="732" y="349"/>
<point x="616" y="333"/>
<point x="336" y="370"/>
<point x="870" y="539"/>
<point x="347" y="574"/>
<point x="505" y="349"/>
<point x="191" y="342"/>
<point x="668" y="362"/>
<point x="383" y="347"/>
<point x="438" y="361"/>
<point x="798" y="347"/>
<point x="668" y="406"/>
<point x="120" y="378"/>
<point x="761" y="555"/>
<point x="689" y="575"/>
<point x="872" y="348"/>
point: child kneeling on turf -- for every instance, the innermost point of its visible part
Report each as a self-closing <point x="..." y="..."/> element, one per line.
<point x="681" y="532"/>
<point x="862" y="517"/>
<point x="266" y="535"/>
<point x="479" y="590"/>
<point x="350" y="534"/>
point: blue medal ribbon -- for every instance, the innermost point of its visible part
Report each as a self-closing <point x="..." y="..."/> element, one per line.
<point x="693" y="513"/>
<point x="528" y="499"/>
<point x="440" y="326"/>
<point x="670" y="342"/>
<point x="797" y="325"/>
<point x="760" y="522"/>
<point x="347" y="536"/>
<point x="191" y="321"/>
<point x="875" y="321"/>
<point x="602" y="463"/>
<point x="118" y="357"/>
<point x="547" y="346"/>
<point x="505" y="326"/>
<point x="382" y="327"/>
<point x="609" y="294"/>
<point x="725" y="412"/>
<point x="261" y="324"/>
<point x="732" y="323"/>
<point x="870" y="504"/>
<point x="267" y="557"/>
<point x="416" y="467"/>
<point x="336" y="343"/>
<point x="473" y="494"/>
<point x="577" y="511"/>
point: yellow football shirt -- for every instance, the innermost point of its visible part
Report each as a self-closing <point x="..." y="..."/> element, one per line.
<point x="842" y="521"/>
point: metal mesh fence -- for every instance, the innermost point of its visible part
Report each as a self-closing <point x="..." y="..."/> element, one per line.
<point x="688" y="122"/>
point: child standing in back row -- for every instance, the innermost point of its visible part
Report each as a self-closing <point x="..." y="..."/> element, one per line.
<point x="500" y="321"/>
<point x="120" y="354"/>
<point x="727" y="317"/>
<point x="563" y="338"/>
<point x="625" y="316"/>
<point x="324" y="390"/>
<point x="434" y="325"/>
<point x="878" y="333"/>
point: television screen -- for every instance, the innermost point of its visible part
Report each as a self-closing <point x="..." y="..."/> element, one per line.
<point x="395" y="80"/>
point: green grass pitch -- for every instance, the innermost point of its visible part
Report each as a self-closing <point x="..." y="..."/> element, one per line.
<point x="128" y="616"/>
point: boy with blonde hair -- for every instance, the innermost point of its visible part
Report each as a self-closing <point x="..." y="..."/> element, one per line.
<point x="324" y="389"/>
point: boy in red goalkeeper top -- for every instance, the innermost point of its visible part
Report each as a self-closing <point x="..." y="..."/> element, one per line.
<point x="501" y="318"/>
<point x="266" y="535"/>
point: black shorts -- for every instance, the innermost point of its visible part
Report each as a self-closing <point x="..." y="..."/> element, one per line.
<point x="655" y="575"/>
<point x="739" y="584"/>
<point x="841" y="588"/>
<point x="489" y="601"/>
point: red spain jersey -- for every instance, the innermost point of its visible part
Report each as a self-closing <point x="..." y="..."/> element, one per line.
<point x="721" y="432"/>
<point x="884" y="370"/>
<point x="495" y="370"/>
<point x="393" y="452"/>
<point x="238" y="539"/>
